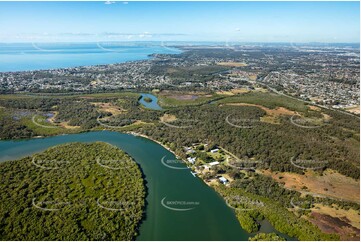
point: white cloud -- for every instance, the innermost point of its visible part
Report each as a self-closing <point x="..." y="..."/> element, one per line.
<point x="109" y="2"/>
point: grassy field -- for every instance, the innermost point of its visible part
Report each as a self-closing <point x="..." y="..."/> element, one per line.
<point x="41" y="127"/>
<point x="169" y="100"/>
<point x="268" y="100"/>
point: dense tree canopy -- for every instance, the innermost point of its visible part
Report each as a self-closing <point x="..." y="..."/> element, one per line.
<point x="72" y="192"/>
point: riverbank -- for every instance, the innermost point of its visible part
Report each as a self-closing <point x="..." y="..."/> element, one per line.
<point x="150" y="138"/>
<point x="213" y="185"/>
<point x="163" y="184"/>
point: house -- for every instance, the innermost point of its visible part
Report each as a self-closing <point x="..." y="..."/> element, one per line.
<point x="214" y="163"/>
<point x="214" y="150"/>
<point x="223" y="180"/>
<point x="189" y="150"/>
<point x="191" y="160"/>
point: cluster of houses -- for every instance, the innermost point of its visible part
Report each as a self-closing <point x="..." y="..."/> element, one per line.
<point x="208" y="166"/>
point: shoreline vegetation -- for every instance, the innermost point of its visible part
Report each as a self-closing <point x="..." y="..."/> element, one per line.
<point x="154" y="140"/>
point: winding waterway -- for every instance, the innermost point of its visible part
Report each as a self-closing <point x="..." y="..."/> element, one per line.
<point x="151" y="105"/>
<point x="205" y="216"/>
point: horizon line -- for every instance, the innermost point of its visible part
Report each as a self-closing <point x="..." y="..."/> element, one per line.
<point x="183" y="41"/>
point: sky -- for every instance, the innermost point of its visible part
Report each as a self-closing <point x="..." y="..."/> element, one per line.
<point x="180" y="21"/>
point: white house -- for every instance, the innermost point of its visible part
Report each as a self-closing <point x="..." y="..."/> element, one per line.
<point x="214" y="163"/>
<point x="223" y="180"/>
<point x="214" y="150"/>
<point x="191" y="160"/>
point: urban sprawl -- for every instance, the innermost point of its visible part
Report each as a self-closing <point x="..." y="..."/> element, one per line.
<point x="328" y="76"/>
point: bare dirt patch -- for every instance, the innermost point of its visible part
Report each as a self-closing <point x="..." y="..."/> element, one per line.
<point x="253" y="77"/>
<point x="272" y="114"/>
<point x="329" y="224"/>
<point x="67" y="126"/>
<point x="52" y="119"/>
<point x="229" y="93"/>
<point x="331" y="184"/>
<point x="350" y="216"/>
<point x="212" y="182"/>
<point x="168" y="118"/>
<point x="261" y="89"/>
<point x="108" y="107"/>
<point x="232" y="64"/>
<point x="314" y="108"/>
<point x="239" y="90"/>
<point x="355" y="110"/>
<point x="326" y="117"/>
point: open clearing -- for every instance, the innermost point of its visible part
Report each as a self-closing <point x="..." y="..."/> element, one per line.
<point x="168" y="118"/>
<point x="272" y="114"/>
<point x="67" y="126"/>
<point x="232" y="64"/>
<point x="234" y="91"/>
<point x="331" y="184"/>
<point x="350" y="216"/>
<point x="355" y="110"/>
<point x="314" y="108"/>
<point x="174" y="99"/>
<point x="61" y="124"/>
<point x="108" y="107"/>
<point x="330" y="224"/>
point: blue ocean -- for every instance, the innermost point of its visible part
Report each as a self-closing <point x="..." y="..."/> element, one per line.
<point x="42" y="56"/>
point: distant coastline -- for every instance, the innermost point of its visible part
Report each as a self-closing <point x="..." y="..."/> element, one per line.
<point x="30" y="56"/>
<point x="47" y="56"/>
